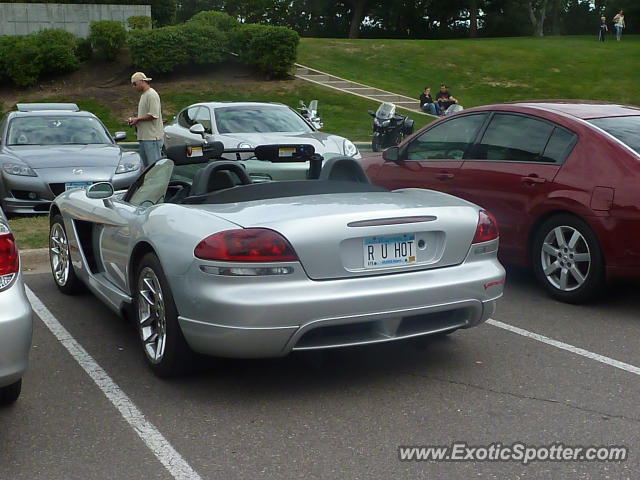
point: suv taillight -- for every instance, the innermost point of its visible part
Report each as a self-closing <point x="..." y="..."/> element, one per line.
<point x="246" y="245"/>
<point x="9" y="260"/>
<point x="487" y="228"/>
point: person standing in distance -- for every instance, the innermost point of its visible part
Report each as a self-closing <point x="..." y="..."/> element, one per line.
<point x="618" y="22"/>
<point x="602" y="31"/>
<point x="149" y="120"/>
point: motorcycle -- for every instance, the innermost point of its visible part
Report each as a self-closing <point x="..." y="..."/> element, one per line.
<point x="310" y="113"/>
<point x="389" y="128"/>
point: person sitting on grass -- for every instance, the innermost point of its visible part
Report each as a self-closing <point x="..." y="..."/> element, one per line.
<point x="448" y="103"/>
<point x="427" y="104"/>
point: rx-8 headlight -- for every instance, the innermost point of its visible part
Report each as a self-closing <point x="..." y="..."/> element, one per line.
<point x="18" y="169"/>
<point x="349" y="148"/>
<point x="128" y="164"/>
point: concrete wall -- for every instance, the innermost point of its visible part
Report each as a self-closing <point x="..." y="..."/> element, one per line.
<point x="25" y="18"/>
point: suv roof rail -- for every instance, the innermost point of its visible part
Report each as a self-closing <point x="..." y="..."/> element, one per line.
<point x="35" y="107"/>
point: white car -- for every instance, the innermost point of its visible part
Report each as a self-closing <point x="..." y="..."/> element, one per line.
<point x="15" y="318"/>
<point x="249" y="124"/>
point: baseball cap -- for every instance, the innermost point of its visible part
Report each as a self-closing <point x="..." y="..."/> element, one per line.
<point x="139" y="76"/>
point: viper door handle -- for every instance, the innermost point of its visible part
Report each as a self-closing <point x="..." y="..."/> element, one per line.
<point x="445" y="176"/>
<point x="533" y="180"/>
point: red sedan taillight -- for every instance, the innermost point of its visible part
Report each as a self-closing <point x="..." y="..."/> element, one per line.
<point x="246" y="245"/>
<point x="9" y="260"/>
<point x="487" y="228"/>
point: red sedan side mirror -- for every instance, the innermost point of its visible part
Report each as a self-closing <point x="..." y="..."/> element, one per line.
<point x="392" y="154"/>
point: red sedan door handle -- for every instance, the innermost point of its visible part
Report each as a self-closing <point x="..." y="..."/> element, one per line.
<point x="533" y="179"/>
<point x="445" y="176"/>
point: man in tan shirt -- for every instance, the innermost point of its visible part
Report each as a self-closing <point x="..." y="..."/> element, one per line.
<point x="149" y="120"/>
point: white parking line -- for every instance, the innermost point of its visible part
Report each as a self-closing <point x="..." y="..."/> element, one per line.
<point x="565" y="346"/>
<point x="161" y="448"/>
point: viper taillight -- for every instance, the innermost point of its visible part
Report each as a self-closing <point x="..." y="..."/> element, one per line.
<point x="246" y="245"/>
<point x="487" y="228"/>
<point x="9" y="260"/>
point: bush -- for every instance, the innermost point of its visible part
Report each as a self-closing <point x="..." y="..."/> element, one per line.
<point x="107" y="37"/>
<point x="207" y="37"/>
<point x="18" y="56"/>
<point x="139" y="22"/>
<point x="272" y="50"/>
<point x="57" y="51"/>
<point x="204" y="44"/>
<point x="157" y="50"/>
<point x="24" y="58"/>
<point x="84" y="50"/>
<point x="220" y="20"/>
<point x="164" y="49"/>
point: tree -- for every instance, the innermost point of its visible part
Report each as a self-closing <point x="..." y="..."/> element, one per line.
<point x="505" y="18"/>
<point x="558" y="7"/>
<point x="358" y="12"/>
<point x="537" y="14"/>
<point x="473" y="18"/>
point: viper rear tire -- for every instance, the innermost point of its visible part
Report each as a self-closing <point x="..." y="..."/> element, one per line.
<point x="156" y="319"/>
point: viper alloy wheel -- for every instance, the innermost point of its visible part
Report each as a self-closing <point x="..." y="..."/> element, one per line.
<point x="164" y="346"/>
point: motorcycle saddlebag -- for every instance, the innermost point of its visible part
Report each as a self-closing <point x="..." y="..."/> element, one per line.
<point x="407" y="128"/>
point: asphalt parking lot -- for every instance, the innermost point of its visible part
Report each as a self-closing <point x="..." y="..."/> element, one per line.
<point x="341" y="417"/>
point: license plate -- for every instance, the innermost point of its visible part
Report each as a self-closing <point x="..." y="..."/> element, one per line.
<point x="71" y="185"/>
<point x="389" y="250"/>
<point x="194" y="152"/>
<point x="284" y="152"/>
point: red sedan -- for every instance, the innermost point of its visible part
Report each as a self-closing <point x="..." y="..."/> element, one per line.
<point x="561" y="177"/>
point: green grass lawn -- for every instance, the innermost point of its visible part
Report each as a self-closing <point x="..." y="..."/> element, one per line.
<point x="30" y="232"/>
<point x="490" y="70"/>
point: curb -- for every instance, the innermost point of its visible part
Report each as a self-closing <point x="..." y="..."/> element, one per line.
<point x="34" y="260"/>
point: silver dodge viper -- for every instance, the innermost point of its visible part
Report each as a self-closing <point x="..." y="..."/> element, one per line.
<point x="206" y="261"/>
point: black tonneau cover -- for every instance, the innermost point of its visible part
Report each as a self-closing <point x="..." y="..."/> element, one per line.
<point x="269" y="190"/>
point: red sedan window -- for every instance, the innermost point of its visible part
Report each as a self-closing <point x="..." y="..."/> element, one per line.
<point x="446" y="141"/>
<point x="624" y="129"/>
<point x="559" y="146"/>
<point x="514" y="138"/>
